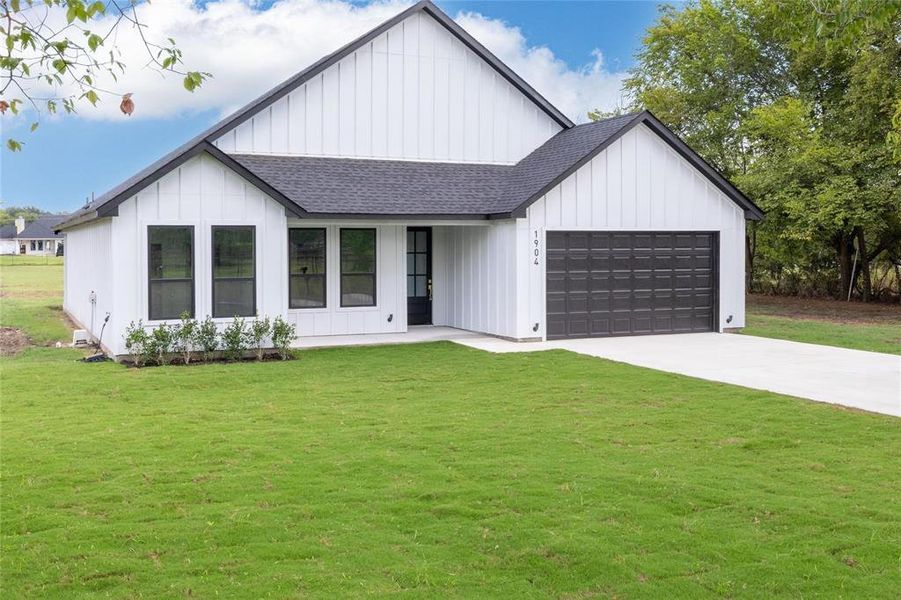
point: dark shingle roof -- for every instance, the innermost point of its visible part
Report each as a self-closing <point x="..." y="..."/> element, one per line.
<point x="349" y="186"/>
<point x="7" y="232"/>
<point x="41" y="228"/>
<point x="379" y="187"/>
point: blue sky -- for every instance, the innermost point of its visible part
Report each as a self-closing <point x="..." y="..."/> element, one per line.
<point x="69" y="158"/>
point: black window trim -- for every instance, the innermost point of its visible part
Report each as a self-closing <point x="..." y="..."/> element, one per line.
<point x="375" y="267"/>
<point x="213" y="278"/>
<point x="193" y="279"/>
<point x="324" y="275"/>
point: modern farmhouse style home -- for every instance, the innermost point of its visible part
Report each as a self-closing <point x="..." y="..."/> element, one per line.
<point x="411" y="178"/>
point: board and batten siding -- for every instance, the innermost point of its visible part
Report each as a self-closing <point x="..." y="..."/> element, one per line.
<point x="416" y="92"/>
<point x="391" y="293"/>
<point x="474" y="277"/>
<point x="87" y="268"/>
<point x="200" y="193"/>
<point x="638" y="183"/>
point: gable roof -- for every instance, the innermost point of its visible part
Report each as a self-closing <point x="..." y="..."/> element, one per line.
<point x="106" y="204"/>
<point x="41" y="228"/>
<point x="344" y="187"/>
<point x="8" y="232"/>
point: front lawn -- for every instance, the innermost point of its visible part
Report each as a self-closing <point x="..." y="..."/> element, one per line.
<point x="873" y="327"/>
<point x="435" y="470"/>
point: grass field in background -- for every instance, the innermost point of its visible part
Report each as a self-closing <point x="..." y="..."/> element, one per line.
<point x="874" y="327"/>
<point x="431" y="470"/>
<point x="31" y="298"/>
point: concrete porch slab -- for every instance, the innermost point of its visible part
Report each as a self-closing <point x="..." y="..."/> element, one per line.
<point x="415" y="334"/>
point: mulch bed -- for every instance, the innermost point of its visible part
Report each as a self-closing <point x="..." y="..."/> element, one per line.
<point x="824" y="309"/>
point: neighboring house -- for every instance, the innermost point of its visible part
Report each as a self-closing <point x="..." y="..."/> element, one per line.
<point x="412" y="178"/>
<point x="36" y="237"/>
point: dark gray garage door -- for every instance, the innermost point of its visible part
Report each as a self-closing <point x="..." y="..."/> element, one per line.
<point x="630" y="283"/>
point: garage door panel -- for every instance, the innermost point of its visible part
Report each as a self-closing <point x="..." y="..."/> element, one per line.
<point x="630" y="283"/>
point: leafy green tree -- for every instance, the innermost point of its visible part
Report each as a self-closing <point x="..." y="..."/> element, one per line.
<point x="9" y="214"/>
<point x="795" y="102"/>
<point x="56" y="53"/>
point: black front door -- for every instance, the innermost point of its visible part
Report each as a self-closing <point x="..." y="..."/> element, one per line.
<point x="419" y="275"/>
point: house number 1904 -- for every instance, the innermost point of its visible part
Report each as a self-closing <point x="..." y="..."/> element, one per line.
<point x="536" y="253"/>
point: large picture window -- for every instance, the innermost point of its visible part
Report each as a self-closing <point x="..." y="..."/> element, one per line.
<point x="358" y="267"/>
<point x="170" y="261"/>
<point x="306" y="268"/>
<point x="234" y="271"/>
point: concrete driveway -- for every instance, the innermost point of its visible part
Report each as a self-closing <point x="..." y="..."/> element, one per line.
<point x="866" y="380"/>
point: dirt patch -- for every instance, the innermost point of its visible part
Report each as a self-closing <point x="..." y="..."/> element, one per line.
<point x="12" y="341"/>
<point x="820" y="309"/>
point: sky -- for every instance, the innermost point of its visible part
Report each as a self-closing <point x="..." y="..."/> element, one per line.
<point x="574" y="53"/>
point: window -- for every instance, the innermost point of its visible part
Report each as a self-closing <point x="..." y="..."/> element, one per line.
<point x="234" y="272"/>
<point x="40" y="244"/>
<point x="34" y="245"/>
<point x="306" y="268"/>
<point x="170" y="272"/>
<point x="358" y="267"/>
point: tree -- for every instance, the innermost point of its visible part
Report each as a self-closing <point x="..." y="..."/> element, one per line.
<point x="11" y="213"/>
<point x="794" y="101"/>
<point x="59" y="54"/>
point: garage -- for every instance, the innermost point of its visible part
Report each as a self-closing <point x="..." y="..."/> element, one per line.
<point x="616" y="283"/>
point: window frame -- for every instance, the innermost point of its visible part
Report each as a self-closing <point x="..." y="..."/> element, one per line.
<point x="213" y="278"/>
<point x="375" y="267"/>
<point x="325" y="264"/>
<point x="193" y="279"/>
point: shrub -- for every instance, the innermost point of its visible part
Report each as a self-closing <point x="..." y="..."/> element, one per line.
<point x="183" y="337"/>
<point x="207" y="338"/>
<point x="257" y="333"/>
<point x="136" y="342"/>
<point x="235" y="339"/>
<point x="282" y="335"/>
<point x="160" y="344"/>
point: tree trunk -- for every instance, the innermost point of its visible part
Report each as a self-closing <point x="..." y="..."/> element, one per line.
<point x="864" y="266"/>
<point x="845" y="261"/>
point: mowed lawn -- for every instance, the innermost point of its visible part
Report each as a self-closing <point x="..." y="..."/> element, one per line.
<point x="873" y="327"/>
<point x="31" y="290"/>
<point x="435" y="470"/>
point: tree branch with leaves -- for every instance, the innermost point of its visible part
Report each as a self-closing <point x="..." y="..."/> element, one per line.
<point x="58" y="54"/>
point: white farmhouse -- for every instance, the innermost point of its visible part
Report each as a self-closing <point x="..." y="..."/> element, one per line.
<point x="411" y="178"/>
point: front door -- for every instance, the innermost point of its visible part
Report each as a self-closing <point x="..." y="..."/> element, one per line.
<point x="419" y="275"/>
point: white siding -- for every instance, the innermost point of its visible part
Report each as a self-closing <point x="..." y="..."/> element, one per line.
<point x="474" y="278"/>
<point x="390" y="286"/>
<point x="201" y="193"/>
<point x="87" y="269"/>
<point x="416" y="92"/>
<point x="640" y="184"/>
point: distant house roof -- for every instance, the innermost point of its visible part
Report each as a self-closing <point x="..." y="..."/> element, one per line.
<point x="41" y="228"/>
<point x="8" y="232"/>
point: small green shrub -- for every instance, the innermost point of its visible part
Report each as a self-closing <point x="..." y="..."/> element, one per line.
<point x="160" y="345"/>
<point x="137" y="341"/>
<point x="257" y="333"/>
<point x="184" y="336"/>
<point x="283" y="333"/>
<point x="207" y="338"/>
<point x="235" y="339"/>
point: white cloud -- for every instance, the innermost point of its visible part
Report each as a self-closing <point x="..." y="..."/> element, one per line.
<point x="249" y="50"/>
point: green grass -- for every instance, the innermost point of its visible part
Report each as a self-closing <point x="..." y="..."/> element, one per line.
<point x="875" y="337"/>
<point x="352" y="471"/>
<point x="31" y="298"/>
<point x="7" y="260"/>
<point x="433" y="470"/>
<point x="873" y="327"/>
